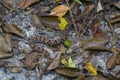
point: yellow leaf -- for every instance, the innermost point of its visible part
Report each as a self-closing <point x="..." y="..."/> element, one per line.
<point x="60" y="10"/>
<point x="63" y="23"/>
<point x="70" y="63"/>
<point x="90" y="68"/>
<point x="64" y="62"/>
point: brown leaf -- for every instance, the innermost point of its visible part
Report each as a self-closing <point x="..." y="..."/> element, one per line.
<point x="2" y="12"/>
<point x="8" y="39"/>
<point x="3" y="45"/>
<point x="55" y="62"/>
<point x="10" y="4"/>
<point x="50" y="21"/>
<point x="30" y="58"/>
<point x="114" y="19"/>
<point x="5" y="55"/>
<point x="114" y="59"/>
<point x="95" y="25"/>
<point x="60" y="10"/>
<point x="87" y="10"/>
<point x="69" y="72"/>
<point x="13" y="29"/>
<point x="117" y="4"/>
<point x="26" y="3"/>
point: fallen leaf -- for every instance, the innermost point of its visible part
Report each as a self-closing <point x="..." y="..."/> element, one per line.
<point x="64" y="62"/>
<point x="29" y="60"/>
<point x="3" y="45"/>
<point x="117" y="4"/>
<point x="114" y="19"/>
<point x="70" y="63"/>
<point x="88" y="66"/>
<point x="5" y="55"/>
<point x="63" y="23"/>
<point x="60" y="10"/>
<point x="69" y="72"/>
<point x="15" y="69"/>
<point x="99" y="7"/>
<point x="13" y="29"/>
<point x="26" y="3"/>
<point x="114" y="59"/>
<point x="8" y="39"/>
<point x="95" y="25"/>
<point x="87" y="10"/>
<point x="55" y="61"/>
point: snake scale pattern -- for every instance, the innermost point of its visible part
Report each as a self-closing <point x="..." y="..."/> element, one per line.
<point x="47" y="41"/>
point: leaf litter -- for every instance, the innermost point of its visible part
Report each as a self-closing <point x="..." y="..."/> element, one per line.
<point x="82" y="27"/>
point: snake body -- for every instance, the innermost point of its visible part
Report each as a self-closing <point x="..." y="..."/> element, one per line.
<point x="47" y="41"/>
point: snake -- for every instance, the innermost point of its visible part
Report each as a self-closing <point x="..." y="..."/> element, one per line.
<point x="44" y="40"/>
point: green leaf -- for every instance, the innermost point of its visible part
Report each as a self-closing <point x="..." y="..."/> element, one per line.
<point x="67" y="43"/>
<point x="70" y="63"/>
<point x="78" y="1"/>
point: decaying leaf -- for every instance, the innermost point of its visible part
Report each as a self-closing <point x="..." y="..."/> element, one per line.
<point x="114" y="19"/>
<point x="3" y="45"/>
<point x="70" y="63"/>
<point x="2" y="12"/>
<point x="30" y="60"/>
<point x="10" y="4"/>
<point x="99" y="7"/>
<point x="87" y="10"/>
<point x="90" y="68"/>
<point x="5" y="55"/>
<point x="8" y="39"/>
<point x="96" y="25"/>
<point x="69" y="72"/>
<point x="60" y="10"/>
<point x="114" y="59"/>
<point x="13" y="29"/>
<point x="50" y="21"/>
<point x="117" y="4"/>
<point x="55" y="62"/>
<point x="26" y="3"/>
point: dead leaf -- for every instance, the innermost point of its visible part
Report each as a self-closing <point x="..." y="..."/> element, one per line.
<point x="13" y="29"/>
<point x="2" y="12"/>
<point x="3" y="45"/>
<point x="55" y="61"/>
<point x="5" y="55"/>
<point x="10" y="4"/>
<point x="99" y="7"/>
<point x="95" y="25"/>
<point x="117" y="4"/>
<point x="114" y="59"/>
<point x="87" y="10"/>
<point x="26" y="3"/>
<point x="59" y="11"/>
<point x="26" y="50"/>
<point x="69" y="72"/>
<point x="114" y="19"/>
<point x="30" y="58"/>
<point x="8" y="39"/>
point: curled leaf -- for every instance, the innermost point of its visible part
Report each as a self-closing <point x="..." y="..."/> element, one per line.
<point x="60" y="10"/>
<point x="70" y="63"/>
<point x="13" y="29"/>
<point x="90" y="68"/>
<point x="63" y="23"/>
<point x="69" y="72"/>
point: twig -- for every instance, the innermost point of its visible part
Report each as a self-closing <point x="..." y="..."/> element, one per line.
<point x="71" y="15"/>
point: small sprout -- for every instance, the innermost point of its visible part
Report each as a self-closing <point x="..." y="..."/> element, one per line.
<point x="67" y="43"/>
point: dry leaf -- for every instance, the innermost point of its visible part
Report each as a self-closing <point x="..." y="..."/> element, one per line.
<point x="117" y="4"/>
<point x="13" y="29"/>
<point x="95" y="25"/>
<point x="114" y="19"/>
<point x="55" y="62"/>
<point x="114" y="59"/>
<point x="26" y="3"/>
<point x="3" y="45"/>
<point x="60" y="10"/>
<point x="5" y="55"/>
<point x="99" y="7"/>
<point x="30" y="58"/>
<point x="8" y="39"/>
<point x="87" y="10"/>
<point x="69" y="72"/>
